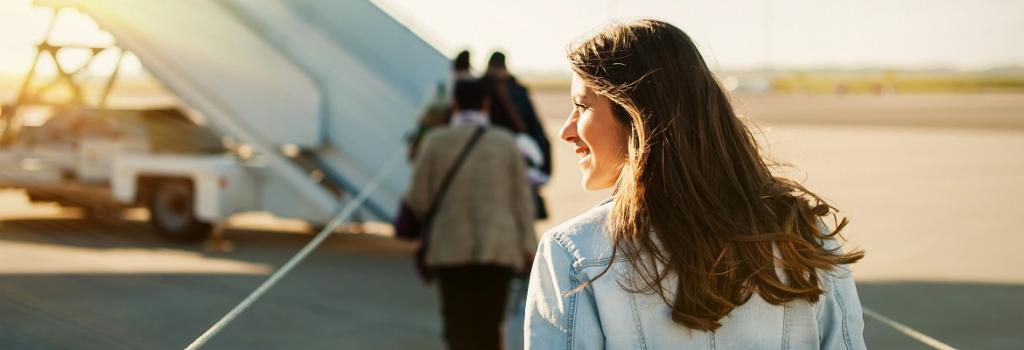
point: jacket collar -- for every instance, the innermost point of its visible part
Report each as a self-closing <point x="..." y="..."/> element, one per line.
<point x="470" y="117"/>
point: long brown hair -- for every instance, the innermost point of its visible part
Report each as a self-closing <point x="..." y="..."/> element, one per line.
<point x="695" y="198"/>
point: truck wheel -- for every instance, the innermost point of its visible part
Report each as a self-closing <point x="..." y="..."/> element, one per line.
<point x="171" y="212"/>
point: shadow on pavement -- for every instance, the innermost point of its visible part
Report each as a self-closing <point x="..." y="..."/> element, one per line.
<point x="356" y="291"/>
<point x="963" y="315"/>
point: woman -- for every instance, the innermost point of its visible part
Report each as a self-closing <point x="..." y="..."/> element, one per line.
<point x="701" y="246"/>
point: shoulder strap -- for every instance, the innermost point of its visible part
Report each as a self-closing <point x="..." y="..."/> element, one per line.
<point x="446" y="182"/>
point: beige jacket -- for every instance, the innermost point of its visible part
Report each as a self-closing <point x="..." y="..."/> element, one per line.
<point x="487" y="215"/>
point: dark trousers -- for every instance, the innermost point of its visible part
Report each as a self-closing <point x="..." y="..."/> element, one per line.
<point x="473" y="305"/>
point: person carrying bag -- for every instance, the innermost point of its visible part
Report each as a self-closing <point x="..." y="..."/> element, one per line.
<point x="475" y="214"/>
<point x="407" y="227"/>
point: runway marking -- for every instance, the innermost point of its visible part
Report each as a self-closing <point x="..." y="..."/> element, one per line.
<point x="327" y="231"/>
<point x="910" y="332"/>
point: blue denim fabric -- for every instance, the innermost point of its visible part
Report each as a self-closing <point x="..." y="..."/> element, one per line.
<point x="605" y="316"/>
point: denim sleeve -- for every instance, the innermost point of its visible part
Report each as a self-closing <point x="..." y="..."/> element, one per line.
<point x="552" y="311"/>
<point x="840" y="317"/>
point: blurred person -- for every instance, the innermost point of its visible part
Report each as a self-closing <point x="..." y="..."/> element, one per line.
<point x="461" y="67"/>
<point x="700" y="245"/>
<point x="438" y="111"/>
<point x="481" y="232"/>
<point x="511" y="108"/>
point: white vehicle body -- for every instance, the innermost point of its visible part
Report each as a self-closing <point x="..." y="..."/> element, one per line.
<point x="221" y="186"/>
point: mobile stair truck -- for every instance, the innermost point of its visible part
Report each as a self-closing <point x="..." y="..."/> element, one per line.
<point x="314" y="94"/>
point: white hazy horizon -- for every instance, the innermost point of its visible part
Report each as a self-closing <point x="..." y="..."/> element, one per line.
<point x="739" y="34"/>
<point x="733" y="34"/>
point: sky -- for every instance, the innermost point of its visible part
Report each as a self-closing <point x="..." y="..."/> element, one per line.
<point x="732" y="34"/>
<point x="742" y="34"/>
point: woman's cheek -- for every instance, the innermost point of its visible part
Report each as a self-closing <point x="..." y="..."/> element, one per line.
<point x="584" y="128"/>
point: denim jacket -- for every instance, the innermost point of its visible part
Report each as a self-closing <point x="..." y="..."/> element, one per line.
<point x="605" y="316"/>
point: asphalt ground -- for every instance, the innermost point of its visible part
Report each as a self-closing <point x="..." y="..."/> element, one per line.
<point x="934" y="205"/>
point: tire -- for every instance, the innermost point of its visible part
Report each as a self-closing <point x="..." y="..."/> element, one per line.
<point x="172" y="214"/>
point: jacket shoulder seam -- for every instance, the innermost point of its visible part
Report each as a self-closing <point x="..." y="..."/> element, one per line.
<point x="842" y="315"/>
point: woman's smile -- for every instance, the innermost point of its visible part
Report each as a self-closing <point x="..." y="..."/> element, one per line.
<point x="583" y="152"/>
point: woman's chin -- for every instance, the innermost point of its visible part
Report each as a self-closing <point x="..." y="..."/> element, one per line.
<point x="587" y="184"/>
<point x="590" y="185"/>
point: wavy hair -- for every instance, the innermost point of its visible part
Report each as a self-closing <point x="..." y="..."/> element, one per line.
<point x="695" y="199"/>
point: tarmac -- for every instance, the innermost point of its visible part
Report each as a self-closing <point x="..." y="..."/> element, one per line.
<point x="934" y="205"/>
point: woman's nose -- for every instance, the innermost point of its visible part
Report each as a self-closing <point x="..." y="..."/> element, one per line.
<point x="568" y="132"/>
